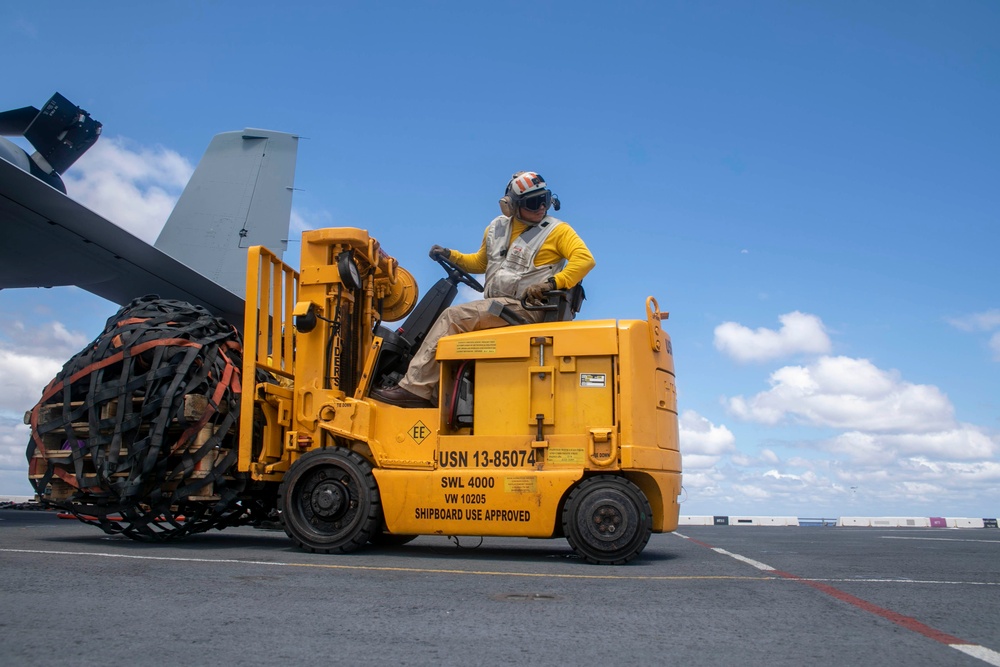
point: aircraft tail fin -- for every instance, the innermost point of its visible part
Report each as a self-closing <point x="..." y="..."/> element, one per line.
<point x="240" y="195"/>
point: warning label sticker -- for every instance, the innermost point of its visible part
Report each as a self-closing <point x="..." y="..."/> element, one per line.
<point x="476" y="346"/>
<point x="593" y="379"/>
<point x="564" y="455"/>
<point x="520" y="485"/>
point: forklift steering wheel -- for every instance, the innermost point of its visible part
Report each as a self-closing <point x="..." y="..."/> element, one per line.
<point x="457" y="275"/>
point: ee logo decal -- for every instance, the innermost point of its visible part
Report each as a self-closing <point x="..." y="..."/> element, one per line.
<point x="419" y="432"/>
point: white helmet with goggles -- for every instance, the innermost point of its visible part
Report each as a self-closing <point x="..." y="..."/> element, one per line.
<point x="527" y="189"/>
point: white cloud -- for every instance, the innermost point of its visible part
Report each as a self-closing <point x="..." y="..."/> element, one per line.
<point x="799" y="333"/>
<point x="764" y="457"/>
<point x="13" y="444"/>
<point x="769" y="456"/>
<point x="960" y="474"/>
<point x="134" y="187"/>
<point x="910" y="482"/>
<point x="703" y="444"/>
<point x="29" y="358"/>
<point x="847" y="393"/>
<point x="22" y="378"/>
<point x="863" y="448"/>
<point x="305" y="219"/>
<point x="704" y="483"/>
<point x="691" y="461"/>
<point x="977" y="322"/>
<point x="742" y="460"/>
<point x="963" y="442"/>
<point x="985" y="321"/>
<point x="752" y="492"/>
<point x="700" y="436"/>
<point x="49" y="339"/>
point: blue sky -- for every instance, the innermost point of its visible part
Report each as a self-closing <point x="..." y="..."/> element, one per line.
<point x="811" y="190"/>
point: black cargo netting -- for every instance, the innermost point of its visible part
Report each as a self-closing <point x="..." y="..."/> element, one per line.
<point x="137" y="433"/>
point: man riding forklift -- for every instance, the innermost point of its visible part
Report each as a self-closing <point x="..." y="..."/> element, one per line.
<point x="525" y="253"/>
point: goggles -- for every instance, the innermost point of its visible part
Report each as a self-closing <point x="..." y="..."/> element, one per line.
<point x="535" y="202"/>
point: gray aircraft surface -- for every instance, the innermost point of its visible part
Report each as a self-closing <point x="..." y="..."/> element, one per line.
<point x="239" y="195"/>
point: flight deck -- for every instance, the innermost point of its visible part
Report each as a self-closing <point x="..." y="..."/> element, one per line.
<point x="705" y="595"/>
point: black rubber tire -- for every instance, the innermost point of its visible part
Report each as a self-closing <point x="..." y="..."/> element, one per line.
<point x="607" y="520"/>
<point x="330" y="501"/>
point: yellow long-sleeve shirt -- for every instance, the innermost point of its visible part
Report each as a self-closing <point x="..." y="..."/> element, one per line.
<point x="562" y="243"/>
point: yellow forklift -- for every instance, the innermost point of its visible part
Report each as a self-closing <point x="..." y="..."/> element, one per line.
<point x="560" y="428"/>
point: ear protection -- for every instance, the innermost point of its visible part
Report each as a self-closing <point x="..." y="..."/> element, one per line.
<point x="507" y="206"/>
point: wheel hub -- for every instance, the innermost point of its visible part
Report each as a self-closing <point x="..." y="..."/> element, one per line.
<point x="328" y="499"/>
<point x="609" y="521"/>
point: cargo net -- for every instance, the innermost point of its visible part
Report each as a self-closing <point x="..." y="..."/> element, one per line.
<point x="137" y="433"/>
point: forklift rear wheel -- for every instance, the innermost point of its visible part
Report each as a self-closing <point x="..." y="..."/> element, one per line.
<point x="330" y="501"/>
<point x="607" y="520"/>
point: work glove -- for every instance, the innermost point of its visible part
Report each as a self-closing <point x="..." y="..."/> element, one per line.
<point x="439" y="251"/>
<point x="535" y="294"/>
